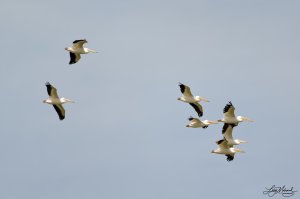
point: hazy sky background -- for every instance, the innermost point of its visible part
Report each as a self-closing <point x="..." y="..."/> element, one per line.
<point x="125" y="137"/>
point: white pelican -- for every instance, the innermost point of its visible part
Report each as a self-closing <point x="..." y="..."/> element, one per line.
<point x="196" y="123"/>
<point x="227" y="133"/>
<point x="77" y="49"/>
<point x="188" y="97"/>
<point x="225" y="149"/>
<point x="56" y="101"/>
<point x="229" y="116"/>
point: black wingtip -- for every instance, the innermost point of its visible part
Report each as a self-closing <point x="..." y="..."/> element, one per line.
<point x="72" y="58"/>
<point x="47" y="84"/>
<point x="190" y="118"/>
<point x="79" y="40"/>
<point x="229" y="158"/>
<point x="225" y="126"/>
<point x="220" y="141"/>
<point x="200" y="114"/>
<point x="204" y="127"/>
<point x="197" y="109"/>
<point x="227" y="107"/>
<point x="182" y="87"/>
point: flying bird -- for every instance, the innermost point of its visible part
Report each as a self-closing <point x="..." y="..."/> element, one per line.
<point x="225" y="149"/>
<point x="188" y="97"/>
<point x="229" y="116"/>
<point x="56" y="101"/>
<point x="227" y="133"/>
<point x="76" y="49"/>
<point x="196" y="123"/>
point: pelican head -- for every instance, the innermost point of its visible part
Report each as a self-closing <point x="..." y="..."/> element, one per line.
<point x="67" y="49"/>
<point x="242" y="118"/>
<point x="198" y="99"/>
<point x="47" y="101"/>
<point x="65" y="100"/>
<point x="90" y="50"/>
<point x="179" y="98"/>
<point x="240" y="141"/>
<point x="238" y="150"/>
<point x="210" y="122"/>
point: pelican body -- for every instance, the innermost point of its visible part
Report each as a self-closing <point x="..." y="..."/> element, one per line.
<point x="229" y="116"/>
<point x="57" y="102"/>
<point x="188" y="97"/>
<point x="196" y="123"/>
<point x="227" y="133"/>
<point x="225" y="149"/>
<point x="76" y="49"/>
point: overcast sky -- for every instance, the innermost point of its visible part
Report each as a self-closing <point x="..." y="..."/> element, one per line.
<point x="125" y="137"/>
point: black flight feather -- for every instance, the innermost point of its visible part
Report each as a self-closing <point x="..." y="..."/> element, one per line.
<point x="79" y="40"/>
<point x="229" y="157"/>
<point x="190" y="118"/>
<point x="197" y="109"/>
<point x="72" y="58"/>
<point x="60" y="114"/>
<point x="227" y="107"/>
<point x="182" y="87"/>
<point x="220" y="141"/>
<point x="49" y="88"/>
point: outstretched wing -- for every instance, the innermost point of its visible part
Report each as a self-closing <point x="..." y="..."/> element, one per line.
<point x="74" y="58"/>
<point x="227" y="131"/>
<point x="79" y="43"/>
<point x="223" y="144"/>
<point x="185" y="90"/>
<point x="192" y="119"/>
<point x="198" y="108"/>
<point x="60" y="111"/>
<point x="52" y="92"/>
<point x="229" y="110"/>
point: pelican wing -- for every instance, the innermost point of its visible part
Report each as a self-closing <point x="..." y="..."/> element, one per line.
<point x="52" y="92"/>
<point x="60" y="111"/>
<point x="185" y="90"/>
<point x="74" y="58"/>
<point x="223" y="144"/>
<point x="229" y="110"/>
<point x="198" y="108"/>
<point x="227" y="131"/>
<point x="78" y="43"/>
<point x="192" y="119"/>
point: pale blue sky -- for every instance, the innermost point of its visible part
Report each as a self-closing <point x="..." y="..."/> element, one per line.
<point x="125" y="137"/>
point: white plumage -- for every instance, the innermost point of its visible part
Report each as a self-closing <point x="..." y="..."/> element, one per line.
<point x="56" y="101"/>
<point x="227" y="133"/>
<point x="229" y="116"/>
<point x="225" y="149"/>
<point x="76" y="49"/>
<point x="196" y="123"/>
<point x="188" y="97"/>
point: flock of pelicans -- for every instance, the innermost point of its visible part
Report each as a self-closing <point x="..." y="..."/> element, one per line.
<point x="75" y="50"/>
<point x="226" y="145"/>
